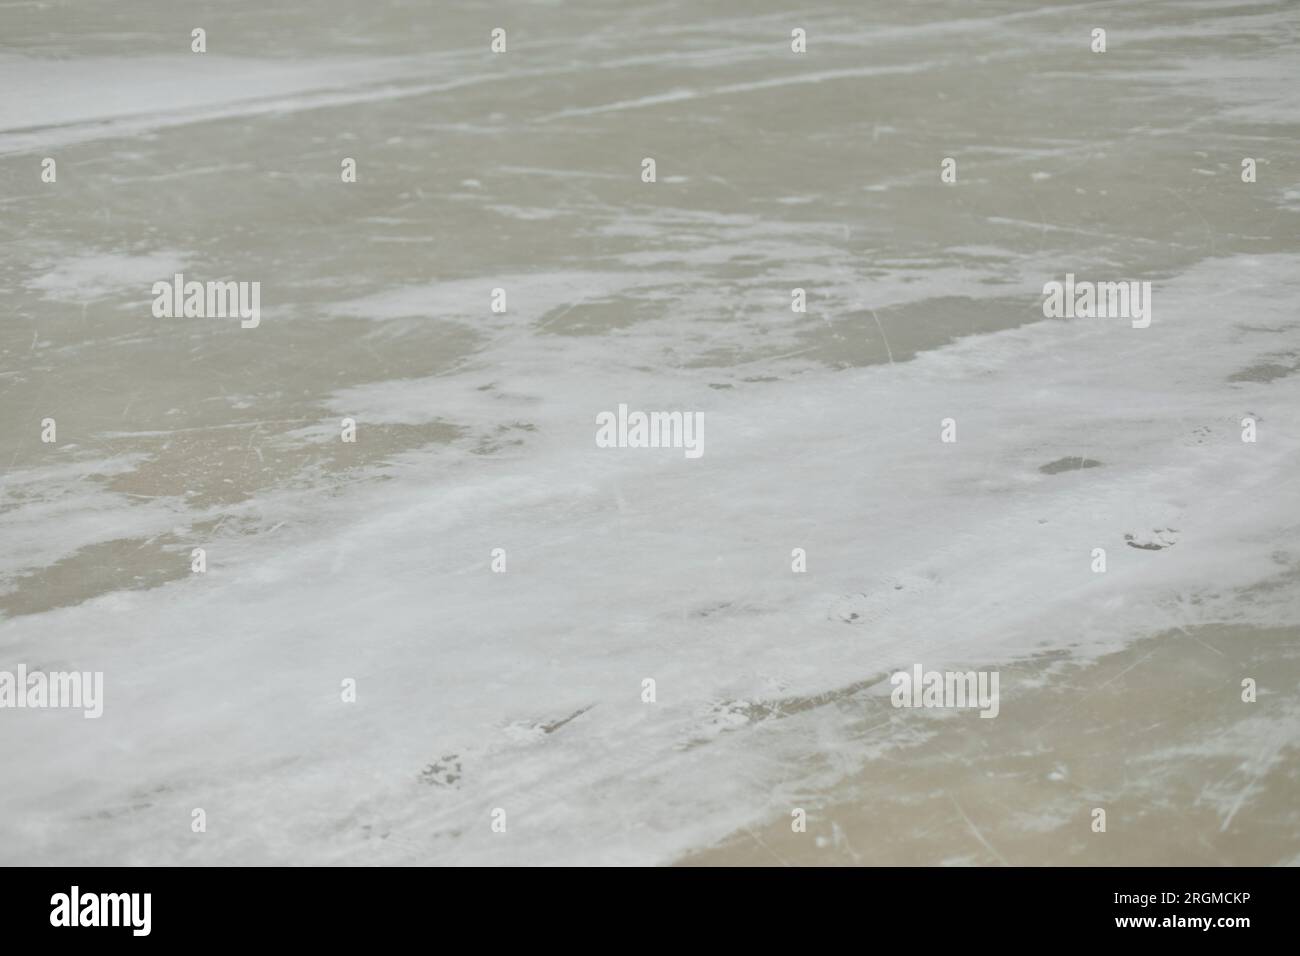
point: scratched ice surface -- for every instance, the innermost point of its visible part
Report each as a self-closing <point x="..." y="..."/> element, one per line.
<point x="521" y="171"/>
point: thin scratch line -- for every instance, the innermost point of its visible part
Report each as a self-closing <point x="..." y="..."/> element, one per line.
<point x="883" y="336"/>
<point x="975" y="830"/>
